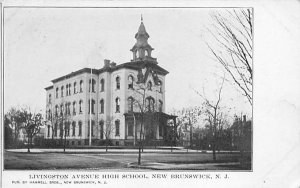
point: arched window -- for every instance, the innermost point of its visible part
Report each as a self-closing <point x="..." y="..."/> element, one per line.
<point x="79" y="128"/>
<point x="101" y="123"/>
<point x="117" y="127"/>
<point x="102" y="85"/>
<point x="149" y="85"/>
<point x="55" y="130"/>
<point x="56" y="94"/>
<point x="117" y="82"/>
<point x="73" y="128"/>
<point x="117" y="104"/>
<point x="56" y="110"/>
<point x="80" y="106"/>
<point x="101" y="106"/>
<point x="92" y="84"/>
<point x="74" y="86"/>
<point x="92" y="107"/>
<point x="67" y="128"/>
<point x="62" y="91"/>
<point x="150" y="104"/>
<point x="49" y="99"/>
<point x="70" y="89"/>
<point x="67" y="89"/>
<point x="130" y="104"/>
<point x="61" y="129"/>
<point x="92" y="129"/>
<point x="49" y="114"/>
<point x="160" y="107"/>
<point x="66" y="108"/>
<point x="81" y="86"/>
<point x="130" y="82"/>
<point x="146" y="53"/>
<point x="61" y="109"/>
<point x="160" y="86"/>
<point x="74" y="108"/>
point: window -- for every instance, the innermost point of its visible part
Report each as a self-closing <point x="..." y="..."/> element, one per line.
<point x="55" y="129"/>
<point x="160" y="106"/>
<point x="67" y="128"/>
<point x="92" y="107"/>
<point x="117" y="124"/>
<point x="149" y="85"/>
<point x="92" y="85"/>
<point x="150" y="104"/>
<point x="48" y="134"/>
<point x="117" y="104"/>
<point x="61" y="109"/>
<point x="74" y="108"/>
<point x="81" y="86"/>
<point x="79" y="128"/>
<point x="80" y="106"/>
<point x="101" y="106"/>
<point x="102" y="85"/>
<point x="130" y="104"/>
<point x="66" y="108"/>
<point x="56" y="110"/>
<point x="67" y="89"/>
<point x="49" y="99"/>
<point x="73" y="128"/>
<point x="70" y="89"/>
<point x="61" y="130"/>
<point x="160" y="86"/>
<point x="49" y="114"/>
<point x="62" y="91"/>
<point x="130" y="128"/>
<point x="56" y="93"/>
<point x="130" y="82"/>
<point x="118" y="82"/>
<point x="101" y="123"/>
<point x="74" y="88"/>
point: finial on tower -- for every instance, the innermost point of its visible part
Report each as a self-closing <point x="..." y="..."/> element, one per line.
<point x="141" y="17"/>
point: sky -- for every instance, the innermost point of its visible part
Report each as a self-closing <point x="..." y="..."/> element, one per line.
<point x="41" y="44"/>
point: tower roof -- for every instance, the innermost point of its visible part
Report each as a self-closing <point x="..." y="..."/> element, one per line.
<point x="142" y="31"/>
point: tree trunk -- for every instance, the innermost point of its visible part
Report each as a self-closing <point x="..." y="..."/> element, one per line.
<point x="28" y="144"/>
<point x="139" y="157"/>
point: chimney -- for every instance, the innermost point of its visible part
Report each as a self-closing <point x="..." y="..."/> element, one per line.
<point x="113" y="64"/>
<point x="106" y="63"/>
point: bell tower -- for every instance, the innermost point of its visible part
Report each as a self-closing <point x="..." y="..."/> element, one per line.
<point x="141" y="49"/>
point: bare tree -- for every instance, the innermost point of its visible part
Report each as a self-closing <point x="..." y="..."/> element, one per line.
<point x="232" y="48"/>
<point x="64" y="124"/>
<point x="108" y="129"/>
<point x="213" y="113"/>
<point x="143" y="112"/>
<point x="32" y="124"/>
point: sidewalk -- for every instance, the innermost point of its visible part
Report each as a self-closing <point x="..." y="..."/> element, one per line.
<point x="194" y="166"/>
<point x="102" y="150"/>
